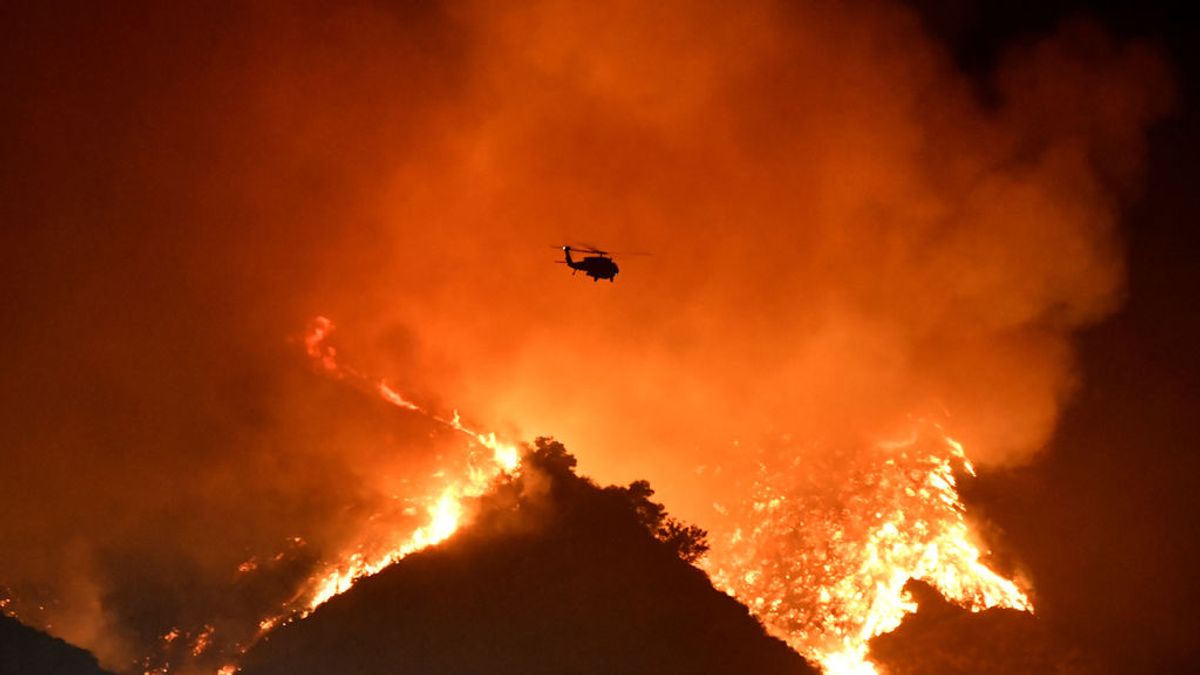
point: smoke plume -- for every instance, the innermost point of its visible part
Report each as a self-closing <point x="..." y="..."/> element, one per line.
<point x="847" y="234"/>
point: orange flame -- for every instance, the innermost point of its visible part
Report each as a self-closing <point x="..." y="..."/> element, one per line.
<point x="823" y="571"/>
<point x="202" y="640"/>
<point x="826" y="572"/>
<point x="444" y="512"/>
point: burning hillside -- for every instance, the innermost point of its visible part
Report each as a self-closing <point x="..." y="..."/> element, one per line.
<point x="869" y="270"/>
<point x="824" y="559"/>
<point x="824" y="568"/>
<point x="554" y="575"/>
<point x="826" y="565"/>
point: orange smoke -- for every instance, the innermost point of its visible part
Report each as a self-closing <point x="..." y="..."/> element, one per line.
<point x="847" y="237"/>
<point x="821" y="557"/>
<point x="844" y="236"/>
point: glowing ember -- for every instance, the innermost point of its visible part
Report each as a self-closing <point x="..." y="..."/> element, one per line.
<point x="202" y="641"/>
<point x="824" y="566"/>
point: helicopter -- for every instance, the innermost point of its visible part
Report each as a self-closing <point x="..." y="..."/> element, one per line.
<point x="599" y="265"/>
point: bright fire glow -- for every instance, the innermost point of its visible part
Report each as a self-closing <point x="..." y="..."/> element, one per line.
<point x="444" y="511"/>
<point x="824" y="565"/>
<point x="821" y="556"/>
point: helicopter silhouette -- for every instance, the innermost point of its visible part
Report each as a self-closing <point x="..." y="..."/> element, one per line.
<point x="599" y="265"/>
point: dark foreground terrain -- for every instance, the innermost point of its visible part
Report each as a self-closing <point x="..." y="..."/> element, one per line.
<point x="25" y="651"/>
<point x="556" y="576"/>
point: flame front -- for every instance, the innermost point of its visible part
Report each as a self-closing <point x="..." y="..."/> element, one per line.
<point x="444" y="512"/>
<point x="820" y="550"/>
<point x="824" y="565"/>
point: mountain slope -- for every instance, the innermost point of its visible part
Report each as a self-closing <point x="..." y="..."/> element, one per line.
<point x="556" y="575"/>
<point x="26" y="651"/>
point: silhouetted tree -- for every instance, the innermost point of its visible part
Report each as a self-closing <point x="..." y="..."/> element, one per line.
<point x="689" y="542"/>
<point x="649" y="513"/>
<point x="551" y="458"/>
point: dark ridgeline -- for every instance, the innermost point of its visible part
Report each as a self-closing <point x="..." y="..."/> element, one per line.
<point x="945" y="639"/>
<point x="26" y="651"/>
<point x="557" y="576"/>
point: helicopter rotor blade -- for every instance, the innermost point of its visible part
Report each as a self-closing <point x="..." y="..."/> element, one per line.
<point x="587" y="248"/>
<point x="580" y="249"/>
<point x="583" y="247"/>
<point x="621" y="253"/>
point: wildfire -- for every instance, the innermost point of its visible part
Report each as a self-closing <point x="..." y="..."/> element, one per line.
<point x="444" y="511"/>
<point x="820" y="552"/>
<point x="824" y="566"/>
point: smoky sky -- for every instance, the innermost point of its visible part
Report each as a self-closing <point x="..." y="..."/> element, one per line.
<point x="847" y="233"/>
